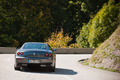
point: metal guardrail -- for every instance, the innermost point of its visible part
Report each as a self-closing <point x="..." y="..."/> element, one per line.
<point x="12" y="50"/>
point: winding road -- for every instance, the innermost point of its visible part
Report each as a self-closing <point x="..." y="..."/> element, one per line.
<point x="67" y="68"/>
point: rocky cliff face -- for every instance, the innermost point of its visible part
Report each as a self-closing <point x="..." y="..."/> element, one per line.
<point x="107" y="55"/>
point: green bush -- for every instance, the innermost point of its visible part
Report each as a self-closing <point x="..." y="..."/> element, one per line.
<point x="100" y="27"/>
<point x="103" y="25"/>
<point x="82" y="39"/>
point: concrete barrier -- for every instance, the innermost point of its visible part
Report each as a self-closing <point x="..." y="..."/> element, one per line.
<point x="75" y="50"/>
<point x="7" y="50"/>
<point x="10" y="50"/>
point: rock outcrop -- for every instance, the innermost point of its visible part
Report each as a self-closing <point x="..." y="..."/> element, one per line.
<point x="107" y="55"/>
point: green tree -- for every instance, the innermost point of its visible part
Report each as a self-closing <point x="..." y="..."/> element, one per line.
<point x="37" y="19"/>
<point x="71" y="14"/>
<point x="82" y="39"/>
<point x="103" y="24"/>
<point x="100" y="27"/>
<point x="10" y="22"/>
<point x="25" y="20"/>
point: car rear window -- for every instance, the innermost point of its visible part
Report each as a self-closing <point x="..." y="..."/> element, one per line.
<point x="34" y="46"/>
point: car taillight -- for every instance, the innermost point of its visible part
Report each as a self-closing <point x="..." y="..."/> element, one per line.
<point x="20" y="53"/>
<point x="46" y="54"/>
<point x="50" y="54"/>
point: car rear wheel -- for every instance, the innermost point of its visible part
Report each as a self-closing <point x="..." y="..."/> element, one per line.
<point x="52" y="69"/>
<point x="16" y="68"/>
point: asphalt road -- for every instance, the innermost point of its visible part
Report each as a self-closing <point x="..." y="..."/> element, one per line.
<point x="67" y="68"/>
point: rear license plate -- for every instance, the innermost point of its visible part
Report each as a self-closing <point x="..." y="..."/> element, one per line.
<point x="24" y="64"/>
<point x="33" y="61"/>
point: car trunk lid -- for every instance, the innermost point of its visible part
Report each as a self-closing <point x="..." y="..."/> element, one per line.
<point x="34" y="53"/>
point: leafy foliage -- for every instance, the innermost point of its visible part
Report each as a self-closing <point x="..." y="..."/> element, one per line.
<point x="35" y="20"/>
<point x="100" y="27"/>
<point x="58" y="40"/>
<point x="82" y="39"/>
<point x="103" y="24"/>
<point x="70" y="14"/>
<point x="24" y="20"/>
<point x="7" y="41"/>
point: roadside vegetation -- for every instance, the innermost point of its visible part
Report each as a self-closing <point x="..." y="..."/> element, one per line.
<point x="107" y="55"/>
<point x="97" y="33"/>
<point x="101" y="26"/>
<point x="59" y="40"/>
<point x="36" y="20"/>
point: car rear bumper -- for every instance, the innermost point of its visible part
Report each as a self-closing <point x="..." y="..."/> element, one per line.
<point x="34" y="64"/>
<point x="23" y="60"/>
<point x="27" y="62"/>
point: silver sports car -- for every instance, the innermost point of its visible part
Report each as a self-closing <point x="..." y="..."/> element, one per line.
<point x="35" y="54"/>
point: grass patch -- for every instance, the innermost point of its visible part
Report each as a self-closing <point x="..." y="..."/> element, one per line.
<point x="94" y="66"/>
<point x="99" y="62"/>
<point x="100" y="67"/>
<point x="118" y="40"/>
<point x="84" y="62"/>
<point x="94" y="60"/>
<point x="113" y="56"/>
<point x="105" y="46"/>
<point x="113" y="70"/>
<point x="108" y="54"/>
<point x="111" y="50"/>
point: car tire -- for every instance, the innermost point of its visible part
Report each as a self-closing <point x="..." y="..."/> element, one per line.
<point x="52" y="69"/>
<point x="16" y="68"/>
<point x="23" y="68"/>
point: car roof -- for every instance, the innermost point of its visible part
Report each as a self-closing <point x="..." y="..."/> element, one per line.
<point x="35" y="42"/>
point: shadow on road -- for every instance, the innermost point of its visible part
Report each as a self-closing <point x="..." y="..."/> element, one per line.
<point x="58" y="71"/>
<point x="65" y="71"/>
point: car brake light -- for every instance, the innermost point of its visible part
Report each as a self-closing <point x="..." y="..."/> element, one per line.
<point x="46" y="54"/>
<point x="50" y="54"/>
<point x="18" y="53"/>
<point x="21" y="53"/>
